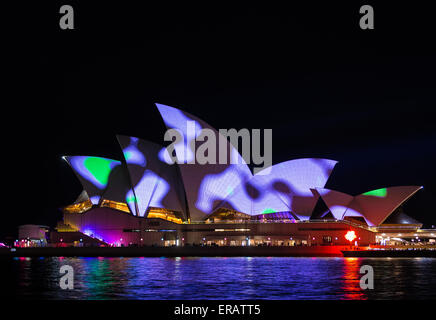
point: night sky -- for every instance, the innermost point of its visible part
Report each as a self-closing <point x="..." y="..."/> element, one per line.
<point x="327" y="89"/>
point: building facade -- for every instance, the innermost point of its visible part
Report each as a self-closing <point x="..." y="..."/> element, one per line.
<point x="161" y="197"/>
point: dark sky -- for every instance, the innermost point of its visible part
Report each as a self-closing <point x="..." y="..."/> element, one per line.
<point x="326" y="88"/>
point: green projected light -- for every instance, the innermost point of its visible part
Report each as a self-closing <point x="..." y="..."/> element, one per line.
<point x="377" y="193"/>
<point x="127" y="155"/>
<point x="131" y="199"/>
<point x="100" y="168"/>
<point x="268" y="210"/>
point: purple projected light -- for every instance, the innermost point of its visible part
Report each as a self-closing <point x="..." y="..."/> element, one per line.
<point x="336" y="201"/>
<point x="275" y="216"/>
<point x="109" y="236"/>
<point x="377" y="205"/>
<point x="161" y="190"/>
<point x="217" y="187"/>
<point x="206" y="185"/>
<point x="370" y="205"/>
<point x="145" y="190"/>
<point x="131" y="201"/>
<point x="210" y="186"/>
<point x="155" y="183"/>
<point x="189" y="128"/>
<point x="286" y="187"/>
<point x="94" y="169"/>
<point x="93" y="173"/>
<point x="133" y="155"/>
<point x="90" y="233"/>
<point x="293" y="180"/>
<point x="354" y="212"/>
<point x="264" y="199"/>
<point x="95" y="199"/>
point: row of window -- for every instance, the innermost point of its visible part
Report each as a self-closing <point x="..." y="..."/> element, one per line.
<point x="188" y="230"/>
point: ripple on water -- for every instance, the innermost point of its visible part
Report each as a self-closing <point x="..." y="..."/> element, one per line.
<point x="221" y="278"/>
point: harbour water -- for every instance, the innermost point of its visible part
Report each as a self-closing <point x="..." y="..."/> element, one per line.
<point x="218" y="278"/>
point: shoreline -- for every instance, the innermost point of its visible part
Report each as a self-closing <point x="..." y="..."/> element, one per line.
<point x="200" y="251"/>
<point x="391" y="253"/>
<point x="204" y="251"/>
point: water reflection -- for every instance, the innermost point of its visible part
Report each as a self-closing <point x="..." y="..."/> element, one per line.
<point x="220" y="278"/>
<point x="104" y="277"/>
<point x="351" y="279"/>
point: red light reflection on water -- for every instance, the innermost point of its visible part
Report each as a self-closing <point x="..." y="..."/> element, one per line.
<point x="351" y="280"/>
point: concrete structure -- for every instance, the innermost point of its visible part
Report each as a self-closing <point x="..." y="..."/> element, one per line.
<point x="144" y="199"/>
<point x="121" y="229"/>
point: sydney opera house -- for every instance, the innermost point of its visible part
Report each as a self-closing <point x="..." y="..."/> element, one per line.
<point x="143" y="200"/>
